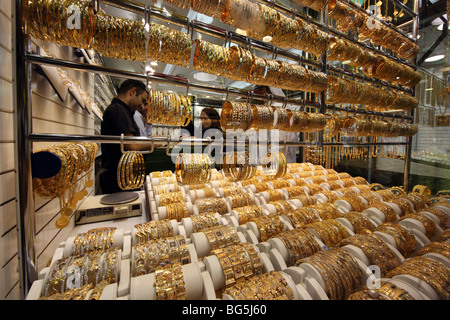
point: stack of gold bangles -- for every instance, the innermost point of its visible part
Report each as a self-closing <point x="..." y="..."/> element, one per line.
<point x="153" y="230"/>
<point x="169" y="108"/>
<point x="239" y="262"/>
<point x="169" y="282"/>
<point x="193" y="168"/>
<point x="177" y="211"/>
<point x="131" y="170"/>
<point x="301" y="217"/>
<point x="378" y="32"/>
<point x="93" y="239"/>
<point x="350" y="91"/>
<point x="274" y="165"/>
<point x="300" y="243"/>
<point x="429" y="270"/>
<point x="429" y="224"/>
<point x="268" y="226"/>
<point x="338" y="269"/>
<point x="375" y="249"/>
<point x="329" y="231"/>
<point x="387" y="291"/>
<point x="442" y="248"/>
<point x="221" y="236"/>
<point x="359" y="221"/>
<point x="405" y="240"/>
<point x="266" y="286"/>
<point x="204" y="221"/>
<point x="238" y="166"/>
<point x="90" y="268"/>
<point x="249" y="212"/>
<point x="211" y="205"/>
<point x="149" y="255"/>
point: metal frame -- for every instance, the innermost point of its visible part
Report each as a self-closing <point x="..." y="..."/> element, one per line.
<point x="22" y="67"/>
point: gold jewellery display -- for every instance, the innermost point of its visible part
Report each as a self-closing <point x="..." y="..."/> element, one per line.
<point x="274" y="165"/>
<point x="93" y="239"/>
<point x="376" y="30"/>
<point x="169" y="108"/>
<point x="429" y="270"/>
<point x="154" y="230"/>
<point x="131" y="170"/>
<point x="90" y="268"/>
<point x="266" y="286"/>
<point x="339" y="270"/>
<point x="238" y="166"/>
<point x="75" y="175"/>
<point x="375" y="249"/>
<point x="193" y="168"/>
<point x="387" y="291"/>
<point x="238" y="262"/>
<point x="351" y="91"/>
<point x="148" y="255"/>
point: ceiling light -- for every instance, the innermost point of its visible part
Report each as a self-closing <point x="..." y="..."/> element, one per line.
<point x="203" y="76"/>
<point x="435" y="58"/>
<point x="267" y="38"/>
<point x="428" y="89"/>
<point x="154" y="63"/>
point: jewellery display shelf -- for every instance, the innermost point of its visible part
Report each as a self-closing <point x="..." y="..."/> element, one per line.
<point x="204" y="276"/>
<point x="24" y="61"/>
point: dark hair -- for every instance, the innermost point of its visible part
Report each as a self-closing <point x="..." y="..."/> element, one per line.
<point x="213" y="115"/>
<point x="131" y="83"/>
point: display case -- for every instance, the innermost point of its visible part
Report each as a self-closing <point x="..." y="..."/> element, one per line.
<point x="225" y="229"/>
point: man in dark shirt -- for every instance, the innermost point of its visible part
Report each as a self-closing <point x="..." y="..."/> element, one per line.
<point x="118" y="119"/>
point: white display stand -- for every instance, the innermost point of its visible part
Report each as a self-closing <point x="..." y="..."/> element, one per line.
<point x="143" y="287"/>
<point x="417" y="295"/>
<point x="419" y="285"/>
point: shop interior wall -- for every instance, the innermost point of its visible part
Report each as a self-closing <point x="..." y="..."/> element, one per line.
<point x="49" y="115"/>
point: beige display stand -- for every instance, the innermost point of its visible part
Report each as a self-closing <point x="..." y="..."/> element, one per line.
<point x="198" y="285"/>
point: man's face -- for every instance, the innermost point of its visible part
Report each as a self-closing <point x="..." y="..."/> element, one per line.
<point x="138" y="100"/>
